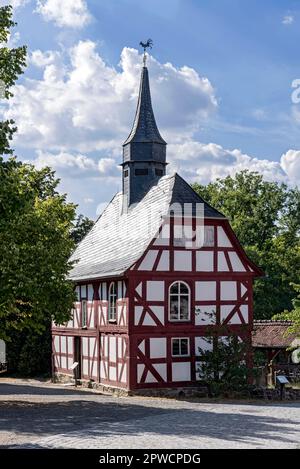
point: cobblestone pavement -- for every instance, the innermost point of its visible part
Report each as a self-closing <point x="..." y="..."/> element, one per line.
<point x="39" y="415"/>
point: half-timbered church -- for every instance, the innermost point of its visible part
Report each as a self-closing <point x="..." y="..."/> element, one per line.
<point x="157" y="270"/>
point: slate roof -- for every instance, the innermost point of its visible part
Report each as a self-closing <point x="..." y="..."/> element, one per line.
<point x="118" y="239"/>
<point x="144" y="128"/>
<point x="271" y="334"/>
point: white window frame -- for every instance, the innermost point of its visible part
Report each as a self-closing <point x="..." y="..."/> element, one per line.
<point x="179" y="294"/>
<point x="84" y="313"/>
<point x="180" y="354"/>
<point x="112" y="304"/>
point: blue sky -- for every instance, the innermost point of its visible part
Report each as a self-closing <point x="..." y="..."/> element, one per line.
<point x="221" y="75"/>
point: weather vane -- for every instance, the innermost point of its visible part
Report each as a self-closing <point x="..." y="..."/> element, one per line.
<point x="145" y="46"/>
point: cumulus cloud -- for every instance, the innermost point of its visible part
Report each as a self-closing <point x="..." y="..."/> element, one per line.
<point x="288" y="19"/>
<point x="65" y="13"/>
<point x="86" y="105"/>
<point x="290" y="162"/>
<point x="206" y="162"/>
<point x="14" y="3"/>
<point x="77" y="165"/>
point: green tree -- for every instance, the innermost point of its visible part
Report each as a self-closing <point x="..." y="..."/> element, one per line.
<point x="294" y="314"/>
<point x="35" y="225"/>
<point x="12" y="63"/>
<point x="82" y="226"/>
<point x="266" y="218"/>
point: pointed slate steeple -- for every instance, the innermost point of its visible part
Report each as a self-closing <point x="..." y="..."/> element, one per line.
<point x="144" y="151"/>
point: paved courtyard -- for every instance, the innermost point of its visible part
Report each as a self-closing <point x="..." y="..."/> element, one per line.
<point x="39" y="415"/>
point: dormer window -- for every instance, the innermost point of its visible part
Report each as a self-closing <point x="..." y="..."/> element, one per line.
<point x="112" y="300"/>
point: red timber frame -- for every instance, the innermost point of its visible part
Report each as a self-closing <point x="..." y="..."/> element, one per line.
<point x="124" y="346"/>
<point x="142" y="334"/>
<point x="96" y="359"/>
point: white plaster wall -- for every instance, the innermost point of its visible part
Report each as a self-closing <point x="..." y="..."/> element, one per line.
<point x="148" y="321"/>
<point x="123" y="377"/>
<point x="84" y="342"/>
<point x="159" y="312"/>
<point x="140" y="370"/>
<point x="161" y="368"/>
<point x="85" y="367"/>
<point x="70" y="345"/>
<point x="236" y="263"/>
<point x="64" y="362"/>
<point x="102" y="370"/>
<point x="150" y="378"/>
<point x="209" y="236"/>
<point x="222" y="263"/>
<point x="228" y="291"/>
<point x="183" y="261"/>
<point x="148" y="261"/>
<point x="245" y="312"/>
<point x="63" y="344"/>
<point x="56" y="343"/>
<point x="139" y="289"/>
<point x="142" y="347"/>
<point x="155" y="290"/>
<point x="112" y="373"/>
<point x="225" y="310"/>
<point x="120" y="342"/>
<point x="158" y="347"/>
<point x="163" y="238"/>
<point x="205" y="291"/>
<point x="113" y="349"/>
<point x="181" y="371"/>
<point x="137" y="314"/>
<point x="204" y="261"/>
<point x="164" y="263"/>
<point x="223" y="240"/>
<point x="203" y="343"/>
<point x="92" y="345"/>
<point x="201" y="318"/>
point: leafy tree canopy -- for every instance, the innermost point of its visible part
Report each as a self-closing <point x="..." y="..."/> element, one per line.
<point x="266" y="218"/>
<point x="82" y="226"/>
<point x="294" y="314"/>
<point x="35" y="224"/>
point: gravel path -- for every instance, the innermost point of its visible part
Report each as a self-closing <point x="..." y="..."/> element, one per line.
<point x="42" y="415"/>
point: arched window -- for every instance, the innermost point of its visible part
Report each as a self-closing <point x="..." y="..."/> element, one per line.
<point x="179" y="302"/>
<point x="112" y="298"/>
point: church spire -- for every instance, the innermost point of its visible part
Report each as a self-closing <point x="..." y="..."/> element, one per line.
<point x="144" y="150"/>
<point x="144" y="128"/>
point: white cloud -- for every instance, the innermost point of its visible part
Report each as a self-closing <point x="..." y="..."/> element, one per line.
<point x="65" y="13"/>
<point x="77" y="165"/>
<point x="290" y="162"/>
<point x="288" y="19"/>
<point x="88" y="200"/>
<point x="85" y="105"/>
<point x="206" y="162"/>
<point x="43" y="59"/>
<point x="14" y="3"/>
